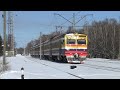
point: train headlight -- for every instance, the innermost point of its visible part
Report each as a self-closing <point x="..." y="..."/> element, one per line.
<point x="67" y="49"/>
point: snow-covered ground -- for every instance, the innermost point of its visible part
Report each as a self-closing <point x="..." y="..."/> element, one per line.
<point x="95" y="68"/>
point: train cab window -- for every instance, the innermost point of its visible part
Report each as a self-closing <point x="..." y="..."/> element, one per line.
<point x="70" y="41"/>
<point x="81" y="41"/>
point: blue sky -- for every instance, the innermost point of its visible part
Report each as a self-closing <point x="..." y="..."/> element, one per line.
<point x="28" y="24"/>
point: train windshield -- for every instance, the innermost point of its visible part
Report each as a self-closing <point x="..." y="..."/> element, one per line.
<point x="81" y="41"/>
<point x="70" y="41"/>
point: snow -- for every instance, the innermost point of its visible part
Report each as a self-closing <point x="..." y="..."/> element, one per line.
<point x="94" y="68"/>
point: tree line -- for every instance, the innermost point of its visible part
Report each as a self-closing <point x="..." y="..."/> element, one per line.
<point x="7" y="44"/>
<point x="104" y="39"/>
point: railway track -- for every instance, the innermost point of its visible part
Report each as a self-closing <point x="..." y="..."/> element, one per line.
<point x="102" y="67"/>
<point x="110" y="61"/>
<point x="64" y="71"/>
<point x="59" y="69"/>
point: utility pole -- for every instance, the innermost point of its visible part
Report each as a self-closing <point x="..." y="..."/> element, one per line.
<point x="16" y="51"/>
<point x="40" y="45"/>
<point x="10" y="33"/>
<point x="24" y="50"/>
<point x="4" y="32"/>
<point x="119" y="41"/>
<point x="73" y="24"/>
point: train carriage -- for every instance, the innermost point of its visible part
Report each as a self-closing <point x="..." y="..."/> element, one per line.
<point x="71" y="48"/>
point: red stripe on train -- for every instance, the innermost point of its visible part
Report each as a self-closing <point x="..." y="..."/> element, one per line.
<point x="80" y="53"/>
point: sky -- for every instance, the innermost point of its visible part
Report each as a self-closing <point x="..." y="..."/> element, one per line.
<point x="29" y="24"/>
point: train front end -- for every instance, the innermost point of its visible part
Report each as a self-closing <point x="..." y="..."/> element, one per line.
<point x="75" y="48"/>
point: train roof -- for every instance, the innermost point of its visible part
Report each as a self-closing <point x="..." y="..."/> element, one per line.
<point x="76" y="33"/>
